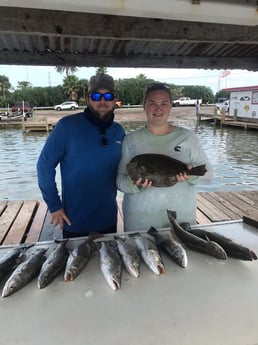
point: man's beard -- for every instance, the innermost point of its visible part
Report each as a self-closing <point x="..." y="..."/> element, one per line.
<point x="107" y="116"/>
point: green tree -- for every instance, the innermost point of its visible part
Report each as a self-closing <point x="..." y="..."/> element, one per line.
<point x="24" y="84"/>
<point x="196" y="92"/>
<point x="131" y="91"/>
<point x="222" y="94"/>
<point x="71" y="87"/>
<point x="4" y="90"/>
<point x="39" y="96"/>
<point x="68" y="70"/>
<point x="82" y="86"/>
<point x="101" y="70"/>
<point x="177" y="91"/>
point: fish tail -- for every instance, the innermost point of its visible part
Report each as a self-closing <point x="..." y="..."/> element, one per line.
<point x="152" y="231"/>
<point x="254" y="256"/>
<point x="94" y="235"/>
<point x="198" y="171"/>
<point x="171" y="214"/>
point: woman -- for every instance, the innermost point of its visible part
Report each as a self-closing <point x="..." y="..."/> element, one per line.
<point x="144" y="205"/>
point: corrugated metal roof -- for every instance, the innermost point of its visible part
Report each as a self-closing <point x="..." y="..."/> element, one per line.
<point x="45" y="37"/>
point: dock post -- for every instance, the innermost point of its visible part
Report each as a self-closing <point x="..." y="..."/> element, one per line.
<point x="223" y="117"/>
<point x="23" y="125"/>
<point x="46" y="123"/>
<point x="235" y="115"/>
<point x="215" y="115"/>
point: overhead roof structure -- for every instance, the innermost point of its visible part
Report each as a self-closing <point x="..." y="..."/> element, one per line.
<point x="130" y="33"/>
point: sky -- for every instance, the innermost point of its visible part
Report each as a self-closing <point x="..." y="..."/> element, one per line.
<point x="47" y="76"/>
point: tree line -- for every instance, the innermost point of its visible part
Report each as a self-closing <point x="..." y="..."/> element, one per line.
<point x="129" y="91"/>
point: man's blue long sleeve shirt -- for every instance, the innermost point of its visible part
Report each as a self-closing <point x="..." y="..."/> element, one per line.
<point x="88" y="173"/>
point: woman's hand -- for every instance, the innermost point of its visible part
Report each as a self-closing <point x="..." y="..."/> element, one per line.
<point x="182" y="177"/>
<point x="143" y="184"/>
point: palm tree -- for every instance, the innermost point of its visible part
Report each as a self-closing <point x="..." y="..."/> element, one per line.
<point x="82" y="85"/>
<point x="70" y="87"/>
<point x="66" y="69"/>
<point x="4" y="85"/>
<point x="101" y="70"/>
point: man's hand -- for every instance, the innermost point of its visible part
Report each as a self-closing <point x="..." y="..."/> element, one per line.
<point x="59" y="217"/>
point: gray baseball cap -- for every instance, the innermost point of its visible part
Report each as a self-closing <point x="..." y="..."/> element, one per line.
<point x="101" y="80"/>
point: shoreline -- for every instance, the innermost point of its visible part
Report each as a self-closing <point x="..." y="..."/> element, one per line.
<point x="121" y="115"/>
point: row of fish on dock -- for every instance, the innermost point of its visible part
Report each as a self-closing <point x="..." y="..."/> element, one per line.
<point x="115" y="252"/>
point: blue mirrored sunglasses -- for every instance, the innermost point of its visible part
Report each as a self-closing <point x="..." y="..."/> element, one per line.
<point x="97" y="96"/>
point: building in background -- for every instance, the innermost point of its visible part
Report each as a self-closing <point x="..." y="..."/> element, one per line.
<point x="243" y="103"/>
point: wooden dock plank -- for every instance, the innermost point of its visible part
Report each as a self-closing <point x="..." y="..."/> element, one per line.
<point x="220" y="203"/>
<point x="246" y="198"/>
<point x="3" y="205"/>
<point x="201" y="218"/>
<point x="32" y="219"/>
<point x="8" y="217"/>
<point x="210" y="209"/>
<point x="32" y="125"/>
<point x="251" y="219"/>
<point x="234" y="199"/>
<point x="37" y="224"/>
<point x="251" y="196"/>
<point x="20" y="224"/>
<point x="49" y="231"/>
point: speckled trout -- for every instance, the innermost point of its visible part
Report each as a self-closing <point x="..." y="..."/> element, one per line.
<point x="149" y="253"/>
<point x="79" y="257"/>
<point x="110" y="263"/>
<point x="130" y="254"/>
<point x="170" y="245"/>
<point x="53" y="265"/>
<point x="11" y="258"/>
<point x="8" y="261"/>
<point x="25" y="272"/>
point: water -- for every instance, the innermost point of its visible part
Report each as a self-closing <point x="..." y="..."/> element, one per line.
<point x="233" y="153"/>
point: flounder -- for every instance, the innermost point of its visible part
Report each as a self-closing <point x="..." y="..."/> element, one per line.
<point x="160" y="169"/>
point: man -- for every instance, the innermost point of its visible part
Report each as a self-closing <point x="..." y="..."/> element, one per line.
<point x="144" y="205"/>
<point x="87" y="146"/>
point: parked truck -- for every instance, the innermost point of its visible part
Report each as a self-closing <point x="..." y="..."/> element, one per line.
<point x="222" y="105"/>
<point x="186" y="101"/>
